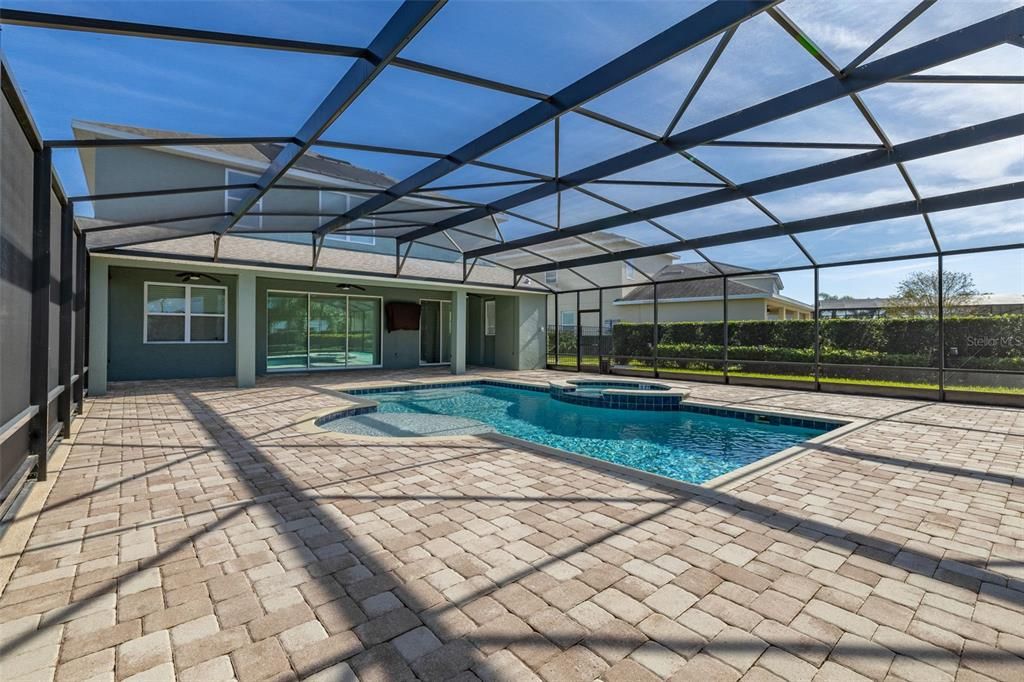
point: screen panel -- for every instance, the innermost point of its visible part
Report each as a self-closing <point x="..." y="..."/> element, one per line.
<point x="983" y="306"/>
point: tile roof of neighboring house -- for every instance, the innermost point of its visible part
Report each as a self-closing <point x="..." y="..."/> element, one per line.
<point x="263" y="153"/>
<point x="850" y="303"/>
<point x="695" y="288"/>
<point x="862" y="303"/>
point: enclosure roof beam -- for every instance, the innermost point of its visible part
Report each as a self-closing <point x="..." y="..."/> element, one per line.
<point x="17" y="17"/>
<point x="823" y="266"/>
<point x="975" y="38"/>
<point x="658" y="183"/>
<point x="699" y="81"/>
<point x="945" y="202"/>
<point x="888" y="35"/>
<point x="791" y="145"/>
<point x="992" y="131"/>
<point x="964" y="80"/>
<point x="402" y="27"/>
<point x="154" y="240"/>
<point x="164" y="142"/>
<point x="159" y="192"/>
<point x="159" y="221"/>
<point x="377" y="149"/>
<point x="691" y="31"/>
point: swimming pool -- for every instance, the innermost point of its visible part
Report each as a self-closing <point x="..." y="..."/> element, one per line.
<point x="687" y="446"/>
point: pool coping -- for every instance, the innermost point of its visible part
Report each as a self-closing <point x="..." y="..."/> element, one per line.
<point x="311" y="423"/>
<point x="666" y="398"/>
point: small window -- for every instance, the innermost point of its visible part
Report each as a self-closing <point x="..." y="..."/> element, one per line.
<point x="233" y="198"/>
<point x="490" y="323"/>
<point x="630" y="270"/>
<point x="335" y="204"/>
<point x="183" y="313"/>
<point x="568" y="318"/>
<point x="551" y="277"/>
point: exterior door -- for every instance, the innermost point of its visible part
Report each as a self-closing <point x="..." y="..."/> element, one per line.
<point x="435" y="332"/>
<point x="589" y="339"/>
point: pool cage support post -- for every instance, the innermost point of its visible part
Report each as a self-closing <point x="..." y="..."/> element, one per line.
<point x="725" y="328"/>
<point x="600" y="328"/>
<point x="942" y="330"/>
<point x="557" y="330"/>
<point x="817" y="333"/>
<point x="64" y="363"/>
<point x="579" y="336"/>
<point x="547" y="326"/>
<point x="81" y="260"/>
<point x="655" y="329"/>
<point x="40" y="316"/>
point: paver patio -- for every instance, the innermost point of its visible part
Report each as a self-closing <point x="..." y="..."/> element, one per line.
<point x="195" y="531"/>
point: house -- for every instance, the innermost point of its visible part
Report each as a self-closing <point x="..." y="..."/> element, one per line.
<point x="596" y="309"/>
<point x="982" y="304"/>
<point x="687" y="294"/>
<point x="193" y="303"/>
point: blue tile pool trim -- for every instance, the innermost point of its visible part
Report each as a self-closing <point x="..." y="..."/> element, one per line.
<point x="619" y="402"/>
<point x="654" y="403"/>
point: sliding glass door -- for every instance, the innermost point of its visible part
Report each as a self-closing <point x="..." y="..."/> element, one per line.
<point x="322" y="331"/>
<point x="328" y="324"/>
<point x="363" y="332"/>
<point x="287" y="321"/>
<point x="435" y="332"/>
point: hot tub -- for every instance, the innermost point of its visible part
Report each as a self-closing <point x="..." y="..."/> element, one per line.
<point x="620" y="395"/>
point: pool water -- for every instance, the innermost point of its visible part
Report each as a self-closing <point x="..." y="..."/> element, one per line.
<point x="681" y="445"/>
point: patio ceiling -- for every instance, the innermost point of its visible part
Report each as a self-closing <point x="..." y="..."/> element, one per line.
<point x="814" y="135"/>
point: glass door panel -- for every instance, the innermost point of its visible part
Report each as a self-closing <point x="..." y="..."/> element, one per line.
<point x="430" y="325"/>
<point x="364" y="332"/>
<point x="287" y="327"/>
<point x="327" y="323"/>
<point x="446" y="331"/>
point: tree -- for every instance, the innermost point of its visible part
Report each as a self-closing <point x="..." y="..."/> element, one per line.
<point x="832" y="297"/>
<point x="918" y="294"/>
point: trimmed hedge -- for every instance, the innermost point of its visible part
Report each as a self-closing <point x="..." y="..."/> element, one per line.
<point x="991" y="342"/>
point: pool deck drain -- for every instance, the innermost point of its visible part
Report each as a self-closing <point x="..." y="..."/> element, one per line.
<point x="402" y="425"/>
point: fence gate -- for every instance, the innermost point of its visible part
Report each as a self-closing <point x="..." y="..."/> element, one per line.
<point x="588" y="340"/>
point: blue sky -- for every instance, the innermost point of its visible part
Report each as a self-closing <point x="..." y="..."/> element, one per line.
<point x="544" y="46"/>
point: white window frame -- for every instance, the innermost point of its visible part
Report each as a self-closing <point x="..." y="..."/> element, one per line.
<point x="309" y="295"/>
<point x="353" y="238"/>
<point x="630" y="271"/>
<point x="551" y="277"/>
<point x="572" y="319"/>
<point x="490" y="318"/>
<point x="188" y="314"/>
<point x="228" y="198"/>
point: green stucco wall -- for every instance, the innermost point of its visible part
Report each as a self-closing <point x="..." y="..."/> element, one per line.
<point x="130" y="359"/>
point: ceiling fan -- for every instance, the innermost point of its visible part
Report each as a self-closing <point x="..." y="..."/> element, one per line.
<point x="344" y="286"/>
<point x="195" y="276"/>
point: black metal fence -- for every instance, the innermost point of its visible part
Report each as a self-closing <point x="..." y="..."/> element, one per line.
<point x="933" y="354"/>
<point x="43" y="329"/>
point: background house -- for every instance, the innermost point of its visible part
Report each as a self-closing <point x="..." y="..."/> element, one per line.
<point x="751" y="296"/>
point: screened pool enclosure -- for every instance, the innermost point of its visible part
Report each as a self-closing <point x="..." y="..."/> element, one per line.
<point x="576" y="150"/>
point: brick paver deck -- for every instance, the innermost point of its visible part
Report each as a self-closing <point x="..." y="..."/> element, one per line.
<point x="196" y="533"/>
